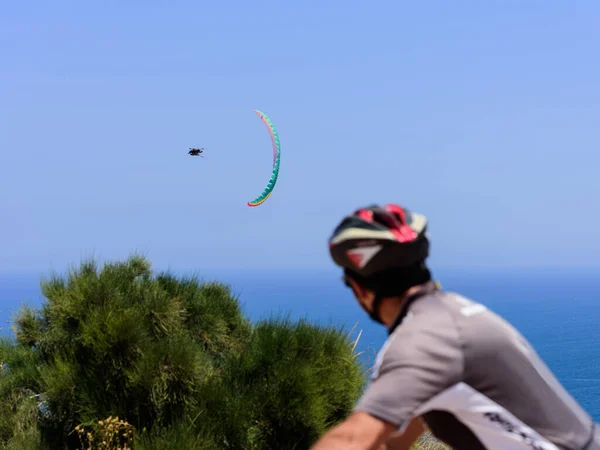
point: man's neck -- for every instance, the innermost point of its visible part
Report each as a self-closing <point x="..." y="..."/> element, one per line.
<point x="392" y="308"/>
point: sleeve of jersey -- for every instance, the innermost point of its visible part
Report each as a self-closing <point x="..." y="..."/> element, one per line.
<point x="418" y="361"/>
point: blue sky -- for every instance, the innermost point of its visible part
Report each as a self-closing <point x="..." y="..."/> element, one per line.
<point x="481" y="115"/>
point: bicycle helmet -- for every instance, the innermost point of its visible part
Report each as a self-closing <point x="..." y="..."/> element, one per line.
<point x="379" y="238"/>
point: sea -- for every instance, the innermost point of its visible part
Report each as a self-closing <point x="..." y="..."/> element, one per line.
<point x="557" y="311"/>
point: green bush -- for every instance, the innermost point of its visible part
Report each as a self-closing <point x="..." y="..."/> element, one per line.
<point x="172" y="357"/>
<point x="292" y="383"/>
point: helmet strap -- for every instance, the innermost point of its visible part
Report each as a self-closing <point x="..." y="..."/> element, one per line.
<point x="374" y="314"/>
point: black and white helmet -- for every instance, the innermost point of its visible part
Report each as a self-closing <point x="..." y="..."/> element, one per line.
<point x="378" y="238"/>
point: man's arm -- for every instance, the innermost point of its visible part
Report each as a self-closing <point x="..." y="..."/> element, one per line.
<point x="403" y="441"/>
<point x="412" y="367"/>
<point x="360" y="431"/>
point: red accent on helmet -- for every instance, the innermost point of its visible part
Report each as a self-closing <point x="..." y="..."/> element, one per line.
<point x="397" y="223"/>
<point x="393" y="217"/>
<point x="397" y="210"/>
<point x="355" y="258"/>
<point x="364" y="214"/>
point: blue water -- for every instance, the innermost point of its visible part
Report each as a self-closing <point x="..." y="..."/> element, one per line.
<point x="558" y="312"/>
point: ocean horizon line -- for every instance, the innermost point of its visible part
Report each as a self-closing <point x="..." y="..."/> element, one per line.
<point x="476" y="269"/>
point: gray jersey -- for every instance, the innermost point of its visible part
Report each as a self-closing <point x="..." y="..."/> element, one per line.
<point x="475" y="381"/>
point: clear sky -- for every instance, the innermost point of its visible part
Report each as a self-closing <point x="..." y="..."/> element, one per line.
<point x="483" y="115"/>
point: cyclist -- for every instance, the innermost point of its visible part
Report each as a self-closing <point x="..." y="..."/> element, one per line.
<point x="449" y="363"/>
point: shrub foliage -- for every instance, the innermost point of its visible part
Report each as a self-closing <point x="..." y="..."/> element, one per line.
<point x="166" y="362"/>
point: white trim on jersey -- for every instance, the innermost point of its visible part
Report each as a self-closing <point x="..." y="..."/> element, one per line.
<point x="493" y="425"/>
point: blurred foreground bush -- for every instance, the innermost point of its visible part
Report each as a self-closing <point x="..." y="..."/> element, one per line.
<point x="120" y="358"/>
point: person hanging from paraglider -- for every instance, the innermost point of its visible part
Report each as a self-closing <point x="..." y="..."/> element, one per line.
<point x="196" y="152"/>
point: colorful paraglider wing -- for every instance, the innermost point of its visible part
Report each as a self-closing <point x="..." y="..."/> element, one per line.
<point x="276" y="152"/>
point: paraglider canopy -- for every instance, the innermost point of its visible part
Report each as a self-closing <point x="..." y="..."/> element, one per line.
<point x="276" y="156"/>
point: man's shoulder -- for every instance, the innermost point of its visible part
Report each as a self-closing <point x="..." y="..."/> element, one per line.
<point x="437" y="323"/>
<point x="427" y="331"/>
<point x="444" y="302"/>
<point x="468" y="324"/>
<point x="448" y="313"/>
<point x="438" y="313"/>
